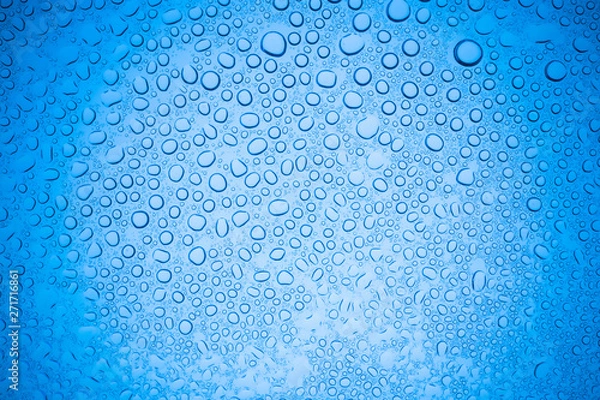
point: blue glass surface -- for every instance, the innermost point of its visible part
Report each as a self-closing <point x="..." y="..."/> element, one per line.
<point x="299" y="199"/>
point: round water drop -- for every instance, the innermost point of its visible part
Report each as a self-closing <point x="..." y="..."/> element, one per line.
<point x="376" y="160"/>
<point x="206" y="159"/>
<point x="331" y="141"/>
<point x="197" y="255"/>
<point x="97" y="137"/>
<point x="465" y="177"/>
<point x="210" y="310"/>
<point x="326" y="79"/>
<point x="512" y="141"/>
<point x="233" y="317"/>
<point x="534" y="204"/>
<point x="476" y="5"/>
<point x="110" y="77"/>
<point x="252" y="179"/>
<point x="352" y="99"/>
<point x="468" y="53"/>
<point x="429" y="273"/>
<point x="88" y="116"/>
<point x="244" y="97"/>
<point x="361" y="22"/>
<point x="196" y="222"/>
<point x="362" y="76"/>
<point x="162" y="82"/>
<point x="398" y="10"/>
<point x="273" y="43"/>
<point x="410" y="90"/>
<point x="240" y="218"/>
<point x="257" y="146"/>
<point x="217" y="182"/>
<point x="176" y="173"/>
<point x="140" y="219"/>
<point x="226" y="60"/>
<point x="249" y="120"/>
<point x="555" y="71"/>
<point x="285" y="278"/>
<point x="368" y="127"/>
<point x="185" y="327"/>
<point x="380" y="185"/>
<point x="281" y="5"/>
<point x="356" y="178"/>
<point x="210" y="80"/>
<point x="434" y="142"/>
<point x="423" y="15"/>
<point x="389" y="60"/>
<point x="411" y="47"/>
<point x="278" y="207"/>
<point x="161" y="256"/>
<point x="487" y="198"/>
<point x="351" y="44"/>
<point x="258" y="233"/>
<point x="163" y="275"/>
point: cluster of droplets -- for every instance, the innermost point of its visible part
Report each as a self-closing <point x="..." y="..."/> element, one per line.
<point x="341" y="199"/>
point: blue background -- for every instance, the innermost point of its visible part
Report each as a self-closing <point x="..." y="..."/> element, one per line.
<point x="301" y="199"/>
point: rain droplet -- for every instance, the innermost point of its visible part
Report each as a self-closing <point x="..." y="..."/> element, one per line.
<point x="398" y="10"/>
<point x="273" y="43"/>
<point x="140" y="219"/>
<point x="468" y="53"/>
<point x="197" y="255"/>
<point x="434" y="142"/>
<point x="555" y="71"/>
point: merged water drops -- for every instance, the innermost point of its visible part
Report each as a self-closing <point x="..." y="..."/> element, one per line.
<point x="320" y="199"/>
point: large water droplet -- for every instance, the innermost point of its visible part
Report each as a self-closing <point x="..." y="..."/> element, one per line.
<point x="398" y="10"/>
<point x="273" y="43"/>
<point x="468" y="53"/>
<point x="555" y="71"/>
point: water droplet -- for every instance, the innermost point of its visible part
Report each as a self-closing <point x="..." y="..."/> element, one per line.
<point x="555" y="71"/>
<point x="262" y="276"/>
<point x="368" y="127"/>
<point x="185" y="327"/>
<point x="210" y="80"/>
<point x="351" y="44"/>
<point x="468" y="53"/>
<point x="398" y="10"/>
<point x="465" y="177"/>
<point x="197" y="255"/>
<point x="257" y="146"/>
<point x="217" y="182"/>
<point x="326" y="79"/>
<point x="140" y="219"/>
<point x="534" y="204"/>
<point x="361" y="22"/>
<point x="163" y="275"/>
<point x="274" y="44"/>
<point x="434" y="142"/>
<point x="278" y="207"/>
